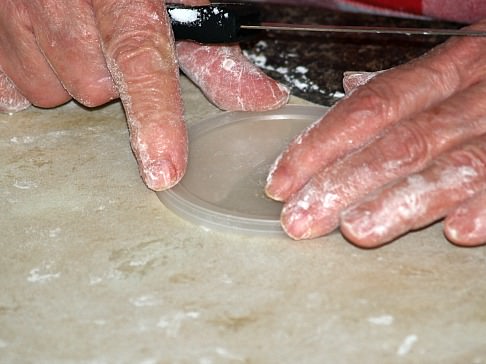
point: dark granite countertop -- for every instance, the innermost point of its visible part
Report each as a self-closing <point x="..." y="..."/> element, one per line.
<point x="313" y="65"/>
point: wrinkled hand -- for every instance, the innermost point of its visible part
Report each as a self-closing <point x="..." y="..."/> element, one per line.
<point x="97" y="50"/>
<point x="403" y="151"/>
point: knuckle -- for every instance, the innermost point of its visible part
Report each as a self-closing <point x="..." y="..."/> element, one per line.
<point x="471" y="155"/>
<point x="411" y="145"/>
<point x="372" y="104"/>
<point x="138" y="55"/>
<point x="92" y="91"/>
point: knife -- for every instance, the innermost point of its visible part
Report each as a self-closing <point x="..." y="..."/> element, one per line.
<point x="233" y="22"/>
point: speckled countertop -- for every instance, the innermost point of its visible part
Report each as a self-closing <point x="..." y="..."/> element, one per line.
<point x="94" y="269"/>
<point x="313" y="65"/>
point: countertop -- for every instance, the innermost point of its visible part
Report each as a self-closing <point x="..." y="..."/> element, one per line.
<point x="94" y="269"/>
<point x="312" y="64"/>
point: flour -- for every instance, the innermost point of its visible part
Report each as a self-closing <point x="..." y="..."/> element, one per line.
<point x="338" y="94"/>
<point x="35" y="276"/>
<point x="171" y="324"/>
<point x="25" y="185"/>
<point x="304" y="205"/>
<point x="184" y="16"/>
<point x="385" y="320"/>
<point x="226" y="354"/>
<point x="407" y="345"/>
<point x="54" y="233"/>
<point x="196" y="16"/>
<point x="144" y="301"/>
<point x="301" y="69"/>
<point x="22" y="140"/>
<point x="229" y="64"/>
<point x="295" y="77"/>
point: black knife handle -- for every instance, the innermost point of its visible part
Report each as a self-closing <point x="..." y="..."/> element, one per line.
<point x="215" y="23"/>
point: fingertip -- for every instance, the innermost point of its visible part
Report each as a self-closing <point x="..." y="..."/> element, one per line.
<point x="297" y="223"/>
<point x="229" y="79"/>
<point x="278" y="183"/>
<point x="464" y="231"/>
<point x="275" y="189"/>
<point x="160" y="175"/>
<point x="358" y="226"/>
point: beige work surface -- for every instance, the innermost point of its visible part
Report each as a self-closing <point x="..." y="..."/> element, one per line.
<point x="94" y="269"/>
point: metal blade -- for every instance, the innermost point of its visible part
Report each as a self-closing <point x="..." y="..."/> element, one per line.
<point x="364" y="29"/>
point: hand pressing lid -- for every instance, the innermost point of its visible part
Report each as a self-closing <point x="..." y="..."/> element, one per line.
<point x="229" y="159"/>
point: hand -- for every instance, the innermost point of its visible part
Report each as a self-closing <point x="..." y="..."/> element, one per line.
<point x="97" y="50"/>
<point x="399" y="153"/>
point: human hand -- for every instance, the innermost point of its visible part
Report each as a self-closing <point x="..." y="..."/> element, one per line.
<point x="97" y="50"/>
<point x="399" y="153"/>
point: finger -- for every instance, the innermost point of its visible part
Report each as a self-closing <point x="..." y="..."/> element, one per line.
<point x="419" y="199"/>
<point x="389" y="97"/>
<point x="406" y="148"/>
<point x="466" y="225"/>
<point x="11" y="100"/>
<point x="228" y="79"/>
<point x="66" y="32"/>
<point x="353" y="80"/>
<point x="138" y="45"/>
<point x="22" y="60"/>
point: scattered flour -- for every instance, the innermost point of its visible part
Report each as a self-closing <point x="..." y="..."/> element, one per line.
<point x="35" y="276"/>
<point x="205" y="229"/>
<point x="301" y="69"/>
<point x="144" y="301"/>
<point x="407" y="345"/>
<point x="25" y="185"/>
<point x="184" y="16"/>
<point x="172" y="324"/>
<point x="228" y="64"/>
<point x="385" y="320"/>
<point x="94" y="280"/>
<point x="54" y="233"/>
<point x="295" y="77"/>
<point x="226" y="354"/>
<point x="338" y="94"/>
<point x="22" y="140"/>
<point x="195" y="17"/>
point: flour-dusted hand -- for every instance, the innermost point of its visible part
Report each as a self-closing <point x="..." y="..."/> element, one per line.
<point x="97" y="50"/>
<point x="227" y="77"/>
<point x="400" y="152"/>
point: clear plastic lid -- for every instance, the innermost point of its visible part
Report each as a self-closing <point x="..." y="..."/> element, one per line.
<point x="230" y="156"/>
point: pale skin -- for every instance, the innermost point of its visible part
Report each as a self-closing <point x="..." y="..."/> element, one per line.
<point x="403" y="150"/>
<point x="94" y="51"/>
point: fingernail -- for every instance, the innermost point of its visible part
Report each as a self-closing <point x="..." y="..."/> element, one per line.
<point x="460" y="229"/>
<point x="160" y="175"/>
<point x="297" y="222"/>
<point x="278" y="185"/>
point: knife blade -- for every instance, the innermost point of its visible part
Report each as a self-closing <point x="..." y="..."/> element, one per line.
<point x="233" y="22"/>
<point x="364" y="29"/>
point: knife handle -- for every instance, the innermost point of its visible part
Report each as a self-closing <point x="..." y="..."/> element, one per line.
<point x="215" y="23"/>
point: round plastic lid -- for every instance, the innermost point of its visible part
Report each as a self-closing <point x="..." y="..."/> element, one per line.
<point x="230" y="156"/>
